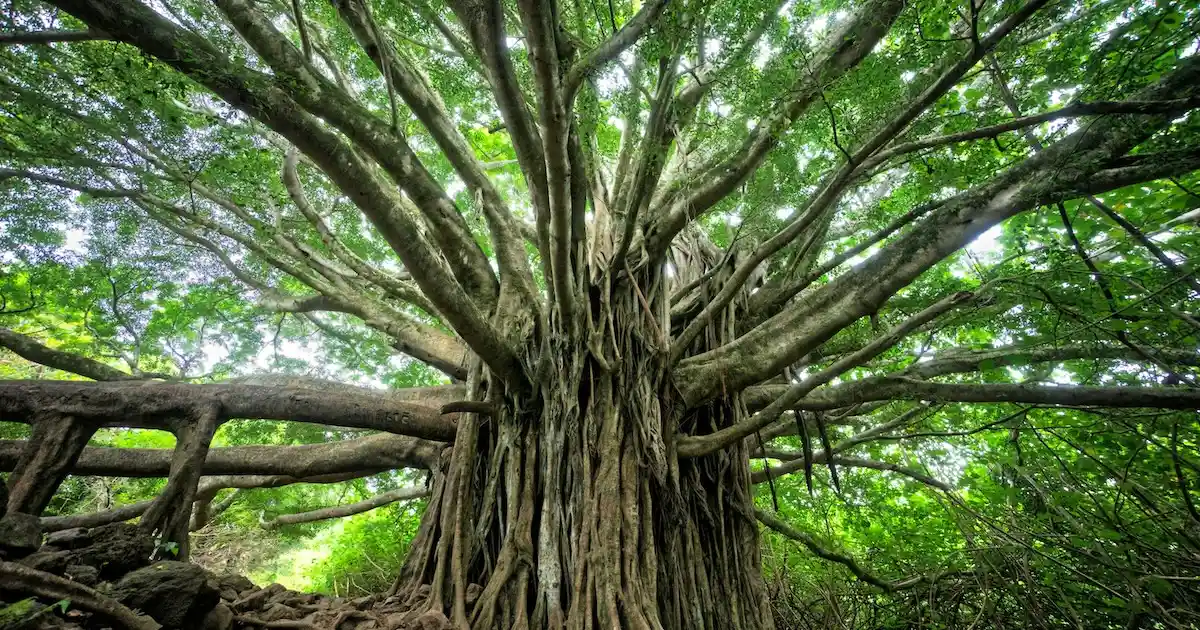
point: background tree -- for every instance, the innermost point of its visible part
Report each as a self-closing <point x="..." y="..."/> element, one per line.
<point x="622" y="251"/>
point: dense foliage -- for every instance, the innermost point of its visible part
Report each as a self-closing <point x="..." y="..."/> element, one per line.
<point x="154" y="228"/>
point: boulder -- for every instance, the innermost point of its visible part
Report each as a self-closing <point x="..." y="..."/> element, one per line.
<point x="20" y="535"/>
<point x="277" y="612"/>
<point x="68" y="539"/>
<point x="115" y="550"/>
<point x="176" y="594"/>
<point x="236" y="583"/>
<point x="219" y="618"/>
<point x="258" y="599"/>
<point x="88" y="576"/>
<point x="432" y="620"/>
<point x="55" y="562"/>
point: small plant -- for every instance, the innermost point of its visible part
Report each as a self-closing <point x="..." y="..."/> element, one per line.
<point x="22" y="613"/>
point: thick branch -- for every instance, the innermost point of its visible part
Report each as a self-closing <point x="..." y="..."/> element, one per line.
<point x="484" y="21"/>
<point x="51" y="37"/>
<point x="321" y="97"/>
<point x="372" y="454"/>
<point x="768" y="302"/>
<point x="31" y="349"/>
<point x="695" y="446"/>
<point x="819" y="205"/>
<point x="957" y="361"/>
<point x="339" y="511"/>
<point x="903" y="388"/>
<point x="1050" y="176"/>
<point x="1070" y="111"/>
<point x="161" y="405"/>
<point x="261" y="96"/>
<point x="428" y="107"/>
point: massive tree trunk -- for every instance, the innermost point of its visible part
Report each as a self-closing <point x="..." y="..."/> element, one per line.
<point x="568" y="506"/>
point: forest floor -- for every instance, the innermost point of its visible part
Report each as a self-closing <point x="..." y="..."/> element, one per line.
<point x="82" y="579"/>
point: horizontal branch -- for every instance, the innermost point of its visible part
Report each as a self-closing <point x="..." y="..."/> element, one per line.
<point x="371" y="454"/>
<point x="1015" y="356"/>
<point x="340" y="511"/>
<point x="961" y="361"/>
<point x="161" y="405"/>
<point x="903" y="388"/>
<point x="1070" y="111"/>
<point x="206" y="489"/>
<point x="698" y="445"/>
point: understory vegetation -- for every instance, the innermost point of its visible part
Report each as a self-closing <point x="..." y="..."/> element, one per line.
<point x="655" y="314"/>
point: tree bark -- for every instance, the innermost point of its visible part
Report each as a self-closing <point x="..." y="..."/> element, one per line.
<point x="47" y="458"/>
<point x="570" y="511"/>
<point x="168" y="517"/>
<point x="374" y="453"/>
<point x="158" y="405"/>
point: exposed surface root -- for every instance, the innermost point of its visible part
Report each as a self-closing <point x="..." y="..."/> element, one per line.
<point x="22" y="579"/>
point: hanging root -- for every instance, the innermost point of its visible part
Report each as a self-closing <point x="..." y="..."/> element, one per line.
<point x="169" y="516"/>
<point x="568" y="508"/>
<point x="54" y="444"/>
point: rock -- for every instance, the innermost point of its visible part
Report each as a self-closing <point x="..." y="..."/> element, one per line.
<point x="258" y="599"/>
<point x="115" y="550"/>
<point x="276" y="612"/>
<point x="228" y="594"/>
<point x="253" y="601"/>
<point x="219" y="618"/>
<point x="88" y="576"/>
<point x="363" y="603"/>
<point x="55" y="562"/>
<point x="68" y="539"/>
<point x="175" y="594"/>
<point x="235" y="582"/>
<point x="355" y="620"/>
<point x="432" y="620"/>
<point x="20" y="535"/>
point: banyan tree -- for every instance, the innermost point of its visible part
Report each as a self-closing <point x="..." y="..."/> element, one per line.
<point x="631" y="246"/>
